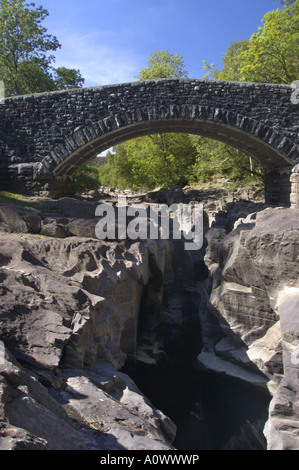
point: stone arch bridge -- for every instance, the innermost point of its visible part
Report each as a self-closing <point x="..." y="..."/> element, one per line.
<point x="45" y="138"/>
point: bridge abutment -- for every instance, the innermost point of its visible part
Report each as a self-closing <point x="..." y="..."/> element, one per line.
<point x="282" y="187"/>
<point x="278" y="187"/>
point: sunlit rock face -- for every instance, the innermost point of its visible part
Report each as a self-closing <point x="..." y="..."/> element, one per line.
<point x="254" y="297"/>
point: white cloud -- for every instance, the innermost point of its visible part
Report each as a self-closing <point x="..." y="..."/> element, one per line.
<point x="98" y="55"/>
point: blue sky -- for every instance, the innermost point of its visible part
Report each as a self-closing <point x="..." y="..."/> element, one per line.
<point x="111" y="40"/>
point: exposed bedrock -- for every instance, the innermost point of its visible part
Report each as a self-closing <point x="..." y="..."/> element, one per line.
<point x="252" y="319"/>
<point x="66" y="305"/>
<point x="75" y="309"/>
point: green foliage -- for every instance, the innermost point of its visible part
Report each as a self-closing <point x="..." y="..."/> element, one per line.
<point x="273" y="52"/>
<point x="151" y="161"/>
<point x="26" y="51"/>
<point x="117" y="172"/>
<point x="165" y="160"/>
<point x="163" y="64"/>
<point x="216" y="160"/>
<point x="67" y="78"/>
<point x="270" y="56"/>
<point x="87" y="177"/>
<point x="231" y="62"/>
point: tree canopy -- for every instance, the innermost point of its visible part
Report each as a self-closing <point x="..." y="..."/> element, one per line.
<point x="271" y="54"/>
<point x="171" y="159"/>
<point x="163" y="64"/>
<point x="154" y="160"/>
<point x="26" y="51"/>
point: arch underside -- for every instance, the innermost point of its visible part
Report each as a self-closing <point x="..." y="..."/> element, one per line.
<point x="258" y="148"/>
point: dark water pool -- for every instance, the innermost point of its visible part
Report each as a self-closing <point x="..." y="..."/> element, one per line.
<point x="211" y="413"/>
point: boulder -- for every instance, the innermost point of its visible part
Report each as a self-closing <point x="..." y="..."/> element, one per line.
<point x="55" y="227"/>
<point x="69" y="207"/>
<point x="20" y="219"/>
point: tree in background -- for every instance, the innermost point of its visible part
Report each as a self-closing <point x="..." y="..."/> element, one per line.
<point x="26" y="51"/>
<point x="87" y="177"/>
<point x="154" y="160"/>
<point x="151" y="161"/>
<point x="217" y="160"/>
<point x="230" y="61"/>
<point x="273" y="52"/>
<point x="270" y="56"/>
<point x="163" y="64"/>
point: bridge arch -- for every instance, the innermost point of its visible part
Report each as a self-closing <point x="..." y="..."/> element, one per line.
<point x="264" y="144"/>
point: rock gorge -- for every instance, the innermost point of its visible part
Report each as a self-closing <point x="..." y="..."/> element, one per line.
<point x="77" y="314"/>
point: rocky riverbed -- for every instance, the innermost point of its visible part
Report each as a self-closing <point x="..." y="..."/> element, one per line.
<point x="78" y="314"/>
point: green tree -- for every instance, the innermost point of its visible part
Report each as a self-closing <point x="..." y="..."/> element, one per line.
<point x="216" y="160"/>
<point x="271" y="54"/>
<point x="67" y="78"/>
<point x="154" y="160"/>
<point x="151" y="161"/>
<point x="163" y="64"/>
<point x="26" y="50"/>
<point x="87" y="177"/>
<point x="231" y="63"/>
